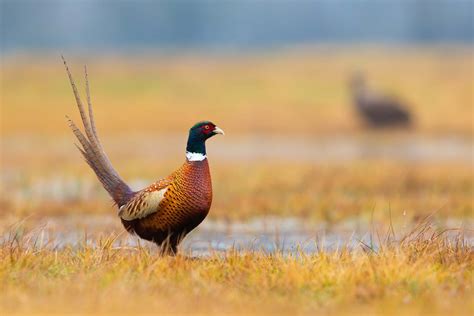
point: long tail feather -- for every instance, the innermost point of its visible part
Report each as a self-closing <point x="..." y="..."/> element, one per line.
<point x="92" y="150"/>
<point x="89" y="104"/>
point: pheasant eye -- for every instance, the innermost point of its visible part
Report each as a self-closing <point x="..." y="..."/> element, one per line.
<point x="206" y="127"/>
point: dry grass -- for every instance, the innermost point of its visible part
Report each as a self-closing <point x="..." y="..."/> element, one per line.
<point x="423" y="273"/>
<point x="289" y="95"/>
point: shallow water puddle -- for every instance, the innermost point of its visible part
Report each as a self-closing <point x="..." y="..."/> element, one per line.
<point x="270" y="235"/>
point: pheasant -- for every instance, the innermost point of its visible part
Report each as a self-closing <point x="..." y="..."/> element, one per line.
<point x="168" y="209"/>
<point x="377" y="110"/>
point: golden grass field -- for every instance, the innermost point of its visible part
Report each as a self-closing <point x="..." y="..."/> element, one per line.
<point x="423" y="273"/>
<point x="281" y="103"/>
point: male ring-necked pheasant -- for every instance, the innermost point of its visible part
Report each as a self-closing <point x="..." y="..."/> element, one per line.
<point x="168" y="209"/>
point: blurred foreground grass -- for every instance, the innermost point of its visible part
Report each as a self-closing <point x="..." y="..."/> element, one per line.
<point x="423" y="273"/>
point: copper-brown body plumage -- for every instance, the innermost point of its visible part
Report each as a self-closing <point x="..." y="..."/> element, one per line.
<point x="187" y="202"/>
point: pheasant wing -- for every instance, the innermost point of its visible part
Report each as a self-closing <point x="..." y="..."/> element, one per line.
<point x="145" y="202"/>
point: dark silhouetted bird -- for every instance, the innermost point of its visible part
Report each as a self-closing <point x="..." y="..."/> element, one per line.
<point x="376" y="109"/>
<point x="168" y="209"/>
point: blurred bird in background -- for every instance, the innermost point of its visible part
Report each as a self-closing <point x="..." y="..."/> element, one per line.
<point x="376" y="109"/>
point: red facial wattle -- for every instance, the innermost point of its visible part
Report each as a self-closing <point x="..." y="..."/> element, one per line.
<point x="207" y="129"/>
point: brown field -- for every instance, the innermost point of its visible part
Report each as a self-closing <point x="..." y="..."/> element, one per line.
<point x="329" y="193"/>
<point x="287" y="93"/>
<point x="293" y="148"/>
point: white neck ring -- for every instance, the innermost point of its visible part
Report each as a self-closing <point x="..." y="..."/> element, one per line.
<point x="195" y="156"/>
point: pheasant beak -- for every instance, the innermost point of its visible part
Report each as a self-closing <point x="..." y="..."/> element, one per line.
<point x="217" y="130"/>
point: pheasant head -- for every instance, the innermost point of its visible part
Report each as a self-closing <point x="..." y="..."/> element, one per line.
<point x="198" y="134"/>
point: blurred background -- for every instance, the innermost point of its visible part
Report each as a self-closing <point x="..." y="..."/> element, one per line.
<point x="337" y="113"/>
<point x="227" y="26"/>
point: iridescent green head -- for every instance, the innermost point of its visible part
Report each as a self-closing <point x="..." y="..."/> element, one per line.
<point x="198" y="134"/>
